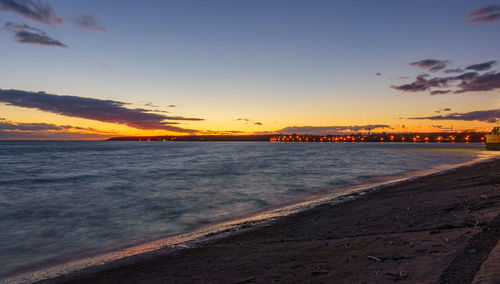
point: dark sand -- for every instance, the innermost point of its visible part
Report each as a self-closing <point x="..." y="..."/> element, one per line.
<point x="435" y="229"/>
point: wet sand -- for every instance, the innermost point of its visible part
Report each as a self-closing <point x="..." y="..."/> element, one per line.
<point x="434" y="229"/>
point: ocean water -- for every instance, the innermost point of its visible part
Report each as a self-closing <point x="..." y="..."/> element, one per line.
<point x="59" y="200"/>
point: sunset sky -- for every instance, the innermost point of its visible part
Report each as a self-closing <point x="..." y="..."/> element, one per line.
<point x="98" y="69"/>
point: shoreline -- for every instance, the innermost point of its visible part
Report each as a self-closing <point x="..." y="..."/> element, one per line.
<point x="208" y="234"/>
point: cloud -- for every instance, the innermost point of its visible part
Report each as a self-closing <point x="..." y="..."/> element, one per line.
<point x="33" y="130"/>
<point x="248" y="120"/>
<point x="481" y="66"/>
<point x="323" y="130"/>
<point x="171" y="106"/>
<point x="422" y="84"/>
<point x="484" y="15"/>
<point x="485" y="82"/>
<point x="454" y="70"/>
<point x="439" y="92"/>
<point x="46" y="135"/>
<point x="150" y="104"/>
<point x="466" y="82"/>
<point x="32" y="10"/>
<point x="27" y="34"/>
<point x="87" y="22"/>
<point x="430" y="64"/>
<point x="490" y="116"/>
<point x="20" y="126"/>
<point x="243" y="119"/>
<point x="378" y="74"/>
<point x="443" y="109"/>
<point x="95" y="109"/>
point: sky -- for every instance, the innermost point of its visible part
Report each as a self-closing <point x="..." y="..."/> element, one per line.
<point x="98" y="69"/>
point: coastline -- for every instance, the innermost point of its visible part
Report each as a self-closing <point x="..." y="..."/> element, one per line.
<point x="223" y="231"/>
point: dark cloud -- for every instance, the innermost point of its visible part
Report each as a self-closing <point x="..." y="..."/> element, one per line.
<point x="47" y="135"/>
<point x="27" y="34"/>
<point x="323" y="130"/>
<point x="466" y="82"/>
<point x="257" y="123"/>
<point x="33" y="130"/>
<point x="422" y="84"/>
<point x="485" y="82"/>
<point x="440" y="92"/>
<point x="87" y="22"/>
<point x="490" y="116"/>
<point x="430" y="64"/>
<point x="454" y="70"/>
<point x="101" y="110"/>
<point x="378" y="74"/>
<point x="20" y="126"/>
<point x="481" y="66"/>
<point x="443" y="109"/>
<point x="484" y="15"/>
<point x="33" y="10"/>
<point x="171" y="106"/>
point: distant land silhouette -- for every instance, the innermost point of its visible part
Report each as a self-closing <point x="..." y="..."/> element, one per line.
<point x="442" y="137"/>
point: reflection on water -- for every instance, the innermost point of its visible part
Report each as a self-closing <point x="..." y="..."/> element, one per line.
<point x="60" y="199"/>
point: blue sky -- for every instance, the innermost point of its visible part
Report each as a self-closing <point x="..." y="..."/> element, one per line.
<point x="281" y="63"/>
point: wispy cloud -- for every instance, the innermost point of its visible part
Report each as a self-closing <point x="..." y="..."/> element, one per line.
<point x="439" y="92"/>
<point x="50" y="135"/>
<point x="466" y="82"/>
<point x="20" y="126"/>
<point x="490" y="116"/>
<point x="87" y="22"/>
<point x="33" y="10"/>
<point x="27" y="34"/>
<point x="324" y="130"/>
<point x="443" y="110"/>
<point x="430" y="64"/>
<point x="95" y="109"/>
<point x="484" y="15"/>
<point x="33" y="130"/>
<point x="481" y="66"/>
<point x="248" y="120"/>
<point x="453" y="70"/>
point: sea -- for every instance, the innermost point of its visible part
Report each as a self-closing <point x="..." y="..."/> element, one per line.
<point x="61" y="200"/>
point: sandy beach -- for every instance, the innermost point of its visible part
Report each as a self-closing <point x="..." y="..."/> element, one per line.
<point x="435" y="229"/>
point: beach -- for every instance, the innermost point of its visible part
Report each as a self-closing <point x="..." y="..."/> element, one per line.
<point x="438" y="228"/>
